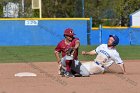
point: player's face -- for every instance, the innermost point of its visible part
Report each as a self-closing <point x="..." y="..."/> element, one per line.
<point x="69" y="37"/>
<point x="110" y="41"/>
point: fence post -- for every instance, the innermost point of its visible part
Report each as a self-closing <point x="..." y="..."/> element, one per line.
<point x="89" y="24"/>
<point x="130" y="35"/>
<point x="100" y="34"/>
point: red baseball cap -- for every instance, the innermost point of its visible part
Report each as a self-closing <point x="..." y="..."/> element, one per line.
<point x="69" y="32"/>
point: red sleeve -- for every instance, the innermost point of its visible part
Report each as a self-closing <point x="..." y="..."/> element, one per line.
<point x="74" y="41"/>
<point x="58" y="47"/>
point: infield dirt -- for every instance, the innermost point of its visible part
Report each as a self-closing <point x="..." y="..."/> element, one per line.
<point x="48" y="80"/>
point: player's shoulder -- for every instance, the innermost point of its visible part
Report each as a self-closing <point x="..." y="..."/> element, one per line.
<point x="115" y="52"/>
<point x="76" y="38"/>
<point x="61" y="42"/>
<point x="103" y="45"/>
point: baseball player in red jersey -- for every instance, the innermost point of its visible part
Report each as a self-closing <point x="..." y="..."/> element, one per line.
<point x="69" y="42"/>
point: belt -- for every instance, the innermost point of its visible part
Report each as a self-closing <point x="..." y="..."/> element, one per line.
<point x="99" y="64"/>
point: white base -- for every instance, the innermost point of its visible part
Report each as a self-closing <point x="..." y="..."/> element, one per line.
<point x="25" y="74"/>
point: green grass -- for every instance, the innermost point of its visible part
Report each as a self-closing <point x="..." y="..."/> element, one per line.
<point x="129" y="52"/>
<point x="45" y="53"/>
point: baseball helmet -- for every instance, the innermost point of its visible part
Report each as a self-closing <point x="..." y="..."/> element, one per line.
<point x="116" y="42"/>
<point x="69" y="32"/>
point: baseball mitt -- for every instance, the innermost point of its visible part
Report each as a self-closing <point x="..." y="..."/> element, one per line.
<point x="70" y="51"/>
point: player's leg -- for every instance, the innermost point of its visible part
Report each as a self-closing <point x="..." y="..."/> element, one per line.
<point x="63" y="61"/>
<point x="93" y="68"/>
<point x="66" y="64"/>
<point x="83" y="71"/>
<point x="79" y="68"/>
<point x="62" y="66"/>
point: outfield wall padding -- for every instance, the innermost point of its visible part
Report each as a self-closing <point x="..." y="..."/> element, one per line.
<point x="127" y="36"/>
<point x="135" y="36"/>
<point x="50" y="32"/>
<point x="47" y="32"/>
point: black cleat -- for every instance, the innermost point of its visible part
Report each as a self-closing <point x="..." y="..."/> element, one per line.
<point x="61" y="71"/>
<point x="68" y="74"/>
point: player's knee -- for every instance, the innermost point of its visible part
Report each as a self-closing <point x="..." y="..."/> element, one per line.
<point x="86" y="74"/>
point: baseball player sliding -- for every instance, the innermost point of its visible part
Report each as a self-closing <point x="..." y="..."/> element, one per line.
<point x="69" y="64"/>
<point x="106" y="56"/>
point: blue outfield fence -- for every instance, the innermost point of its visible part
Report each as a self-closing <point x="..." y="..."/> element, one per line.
<point x="127" y="36"/>
<point x="40" y="32"/>
<point x="23" y="32"/>
<point x="135" y="36"/>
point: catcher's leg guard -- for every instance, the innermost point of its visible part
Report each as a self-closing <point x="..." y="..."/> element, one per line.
<point x="62" y="70"/>
<point x="80" y="69"/>
<point x="62" y="67"/>
<point x="68" y="65"/>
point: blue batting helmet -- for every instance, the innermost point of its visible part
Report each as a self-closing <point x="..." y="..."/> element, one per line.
<point x="116" y="42"/>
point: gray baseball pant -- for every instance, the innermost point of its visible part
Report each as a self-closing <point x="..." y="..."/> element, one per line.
<point x="77" y="67"/>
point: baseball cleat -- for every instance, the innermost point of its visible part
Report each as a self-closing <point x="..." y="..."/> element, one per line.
<point x="68" y="74"/>
<point x="61" y="71"/>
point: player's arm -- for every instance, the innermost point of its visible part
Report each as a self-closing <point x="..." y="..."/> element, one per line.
<point x="119" y="61"/>
<point x="123" y="68"/>
<point x="77" y="44"/>
<point x="93" y="52"/>
<point x="57" y="56"/>
<point x="57" y="52"/>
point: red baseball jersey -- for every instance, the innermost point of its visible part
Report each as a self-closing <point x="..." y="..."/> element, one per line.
<point x="62" y="47"/>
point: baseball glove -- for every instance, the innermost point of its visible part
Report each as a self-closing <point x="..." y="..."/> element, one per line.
<point x="70" y="51"/>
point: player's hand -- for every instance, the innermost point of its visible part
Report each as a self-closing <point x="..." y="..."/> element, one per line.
<point x="122" y="73"/>
<point x="58" y="61"/>
<point x="59" y="66"/>
<point x="70" y="51"/>
<point x="83" y="52"/>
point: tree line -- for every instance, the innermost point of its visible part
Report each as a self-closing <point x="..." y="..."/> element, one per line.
<point x="105" y="12"/>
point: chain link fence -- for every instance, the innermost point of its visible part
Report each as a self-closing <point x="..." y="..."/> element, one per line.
<point x="16" y="9"/>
